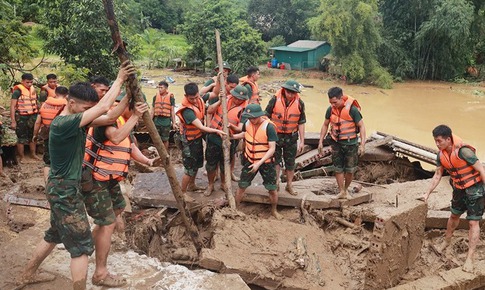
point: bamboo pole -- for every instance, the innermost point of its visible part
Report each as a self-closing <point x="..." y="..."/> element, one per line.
<point x="226" y="143"/>
<point x="133" y="89"/>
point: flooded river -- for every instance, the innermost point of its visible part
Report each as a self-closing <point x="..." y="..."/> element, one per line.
<point x="410" y="110"/>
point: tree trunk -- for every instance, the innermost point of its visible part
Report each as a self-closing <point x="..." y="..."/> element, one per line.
<point x="132" y="89"/>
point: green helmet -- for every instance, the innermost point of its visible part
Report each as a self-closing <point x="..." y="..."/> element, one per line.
<point x="292" y="85"/>
<point x="240" y="92"/>
<point x="253" y="111"/>
<point x="225" y="65"/>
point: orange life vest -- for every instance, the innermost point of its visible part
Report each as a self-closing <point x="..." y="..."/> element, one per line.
<point x="343" y="126"/>
<point x="462" y="174"/>
<point x="254" y="98"/>
<point x="50" y="109"/>
<point x="27" y="102"/>
<point x="50" y="92"/>
<point x="256" y="141"/>
<point x="189" y="130"/>
<point x="286" y="118"/>
<point x="108" y="160"/>
<point x="233" y="114"/>
<point x="163" y="107"/>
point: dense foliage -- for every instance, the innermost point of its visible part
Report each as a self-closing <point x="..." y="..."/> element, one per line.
<point x="371" y="39"/>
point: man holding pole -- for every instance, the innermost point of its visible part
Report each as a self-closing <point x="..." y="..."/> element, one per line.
<point x="191" y="116"/>
<point x="236" y="102"/>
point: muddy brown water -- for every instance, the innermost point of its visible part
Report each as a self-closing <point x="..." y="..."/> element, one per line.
<point x="409" y="110"/>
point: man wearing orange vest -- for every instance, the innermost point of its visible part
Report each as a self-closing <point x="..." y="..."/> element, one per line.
<point x="287" y="112"/>
<point x="162" y="112"/>
<point x="236" y="102"/>
<point x="210" y="84"/>
<point x="108" y="153"/>
<point x="250" y="82"/>
<point x="48" y="111"/>
<point x="346" y="124"/>
<point x="49" y="89"/>
<point x="260" y="138"/>
<point x="69" y="223"/>
<point x="23" y="113"/>
<point x="191" y="116"/>
<point x="467" y="180"/>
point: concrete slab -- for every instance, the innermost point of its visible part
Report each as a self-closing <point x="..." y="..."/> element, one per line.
<point x="451" y="279"/>
<point x="437" y="219"/>
<point x="397" y="240"/>
<point x="153" y="190"/>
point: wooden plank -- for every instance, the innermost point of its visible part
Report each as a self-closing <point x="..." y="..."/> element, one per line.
<point x="310" y="157"/>
<point x="260" y="195"/>
<point x="312" y="138"/>
<point x="437" y="219"/>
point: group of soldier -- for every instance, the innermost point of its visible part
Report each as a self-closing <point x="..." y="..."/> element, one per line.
<point x="88" y="146"/>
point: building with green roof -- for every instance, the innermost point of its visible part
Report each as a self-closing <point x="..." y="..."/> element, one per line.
<point x="302" y="54"/>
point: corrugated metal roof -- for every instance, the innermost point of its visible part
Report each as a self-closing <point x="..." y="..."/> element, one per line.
<point x="307" y="44"/>
<point x="287" y="48"/>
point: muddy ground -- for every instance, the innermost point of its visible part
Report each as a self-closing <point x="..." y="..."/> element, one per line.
<point x="336" y="256"/>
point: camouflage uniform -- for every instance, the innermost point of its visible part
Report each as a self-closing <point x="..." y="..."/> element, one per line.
<point x="345" y="157"/>
<point x="267" y="171"/>
<point x="286" y="148"/>
<point x="103" y="200"/>
<point x="163" y="131"/>
<point x="69" y="222"/>
<point x="192" y="156"/>
<point x="470" y="200"/>
<point x="25" y="128"/>
<point x="214" y="155"/>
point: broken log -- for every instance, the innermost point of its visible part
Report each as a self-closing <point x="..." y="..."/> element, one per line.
<point x="133" y="90"/>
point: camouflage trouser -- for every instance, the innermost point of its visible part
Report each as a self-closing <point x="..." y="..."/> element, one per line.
<point x="267" y="171"/>
<point x="470" y="200"/>
<point x="103" y="201"/>
<point x="69" y="222"/>
<point x="214" y="155"/>
<point x="45" y="156"/>
<point x="192" y="156"/>
<point x="345" y="157"/>
<point x="164" y="132"/>
<point x="25" y="128"/>
<point x="286" y="148"/>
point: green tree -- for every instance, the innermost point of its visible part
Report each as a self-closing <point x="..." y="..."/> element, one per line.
<point x="352" y="27"/>
<point x="15" y="48"/>
<point x="287" y="18"/>
<point x="241" y="45"/>
<point x="429" y="39"/>
<point x="77" y="31"/>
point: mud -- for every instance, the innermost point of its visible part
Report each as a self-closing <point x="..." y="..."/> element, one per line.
<point x="308" y="249"/>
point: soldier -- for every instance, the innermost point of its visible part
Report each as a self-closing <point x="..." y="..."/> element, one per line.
<point x="260" y="138"/>
<point x="250" y="82"/>
<point x="48" y="111"/>
<point x="49" y="89"/>
<point x="287" y="112"/>
<point x="191" y="116"/>
<point x="211" y="83"/>
<point x="23" y="114"/>
<point x="236" y="102"/>
<point x="162" y="112"/>
<point x="467" y="180"/>
<point x="346" y="125"/>
<point x="100" y="84"/>
<point x="67" y="137"/>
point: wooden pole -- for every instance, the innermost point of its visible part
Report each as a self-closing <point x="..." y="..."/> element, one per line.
<point x="226" y="143"/>
<point x="132" y="89"/>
